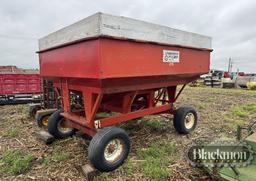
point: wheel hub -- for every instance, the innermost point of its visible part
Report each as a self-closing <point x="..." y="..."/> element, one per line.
<point x="189" y="120"/>
<point x="63" y="129"/>
<point x="113" y="150"/>
<point x="45" y="121"/>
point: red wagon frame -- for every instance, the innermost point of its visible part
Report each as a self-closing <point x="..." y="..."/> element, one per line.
<point x="96" y="100"/>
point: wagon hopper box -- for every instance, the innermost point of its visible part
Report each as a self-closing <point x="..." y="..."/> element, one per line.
<point x="107" y="63"/>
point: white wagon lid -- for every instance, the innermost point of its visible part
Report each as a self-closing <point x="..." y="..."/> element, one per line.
<point x="101" y="24"/>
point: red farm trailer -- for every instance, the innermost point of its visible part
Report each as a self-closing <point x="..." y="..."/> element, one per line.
<point x="107" y="63"/>
<point x="18" y="85"/>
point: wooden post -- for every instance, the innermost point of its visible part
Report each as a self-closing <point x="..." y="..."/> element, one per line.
<point x="89" y="172"/>
<point x="45" y="136"/>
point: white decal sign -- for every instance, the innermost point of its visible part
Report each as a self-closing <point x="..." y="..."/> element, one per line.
<point x="171" y="56"/>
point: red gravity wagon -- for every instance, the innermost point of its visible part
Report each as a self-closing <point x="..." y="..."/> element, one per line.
<point x="107" y="63"/>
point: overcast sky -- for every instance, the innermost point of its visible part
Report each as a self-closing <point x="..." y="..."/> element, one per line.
<point x="230" y="23"/>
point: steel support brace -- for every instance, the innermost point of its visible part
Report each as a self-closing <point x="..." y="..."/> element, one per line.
<point x="91" y="104"/>
<point x="132" y="115"/>
<point x="177" y="96"/>
<point x="65" y="95"/>
<point x="128" y="100"/>
<point x="93" y="100"/>
<point x="84" y="129"/>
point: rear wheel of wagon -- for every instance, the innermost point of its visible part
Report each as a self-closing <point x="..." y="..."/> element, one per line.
<point x="185" y="120"/>
<point x="56" y="128"/>
<point x="109" y="148"/>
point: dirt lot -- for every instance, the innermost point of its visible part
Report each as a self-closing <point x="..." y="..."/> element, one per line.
<point x="157" y="150"/>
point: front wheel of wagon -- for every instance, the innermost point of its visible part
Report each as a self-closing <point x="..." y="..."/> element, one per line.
<point x="56" y="128"/>
<point x="109" y="148"/>
<point x="185" y="120"/>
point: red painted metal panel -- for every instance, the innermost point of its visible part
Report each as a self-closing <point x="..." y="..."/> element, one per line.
<point x="1" y="83"/>
<point x="133" y="59"/>
<point x="77" y="60"/>
<point x="111" y="58"/>
<point x="20" y="83"/>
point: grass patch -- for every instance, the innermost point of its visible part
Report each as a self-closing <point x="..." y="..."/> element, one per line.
<point x="16" y="161"/>
<point x="136" y="125"/>
<point x="250" y="107"/>
<point x="156" y="159"/>
<point x="154" y="124"/>
<point x="156" y="169"/>
<point x="60" y="156"/>
<point x="46" y="161"/>
<point x="239" y="112"/>
<point x="127" y="168"/>
<point x="13" y="132"/>
<point x="231" y="124"/>
<point x="131" y="126"/>
<point x="203" y="106"/>
<point x="22" y="108"/>
<point x="57" y="156"/>
<point x="244" y="111"/>
<point x="105" y="114"/>
<point x="238" y="115"/>
<point x="221" y="90"/>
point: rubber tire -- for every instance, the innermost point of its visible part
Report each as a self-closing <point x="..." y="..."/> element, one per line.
<point x="33" y="109"/>
<point x="39" y="121"/>
<point x="97" y="146"/>
<point x="179" y="119"/>
<point x="53" y="126"/>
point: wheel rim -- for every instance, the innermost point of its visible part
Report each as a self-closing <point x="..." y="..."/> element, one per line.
<point x="45" y="121"/>
<point x="189" y="120"/>
<point x="62" y="129"/>
<point x="114" y="150"/>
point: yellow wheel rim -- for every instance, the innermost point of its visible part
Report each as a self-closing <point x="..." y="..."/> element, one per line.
<point x="45" y="121"/>
<point x="62" y="129"/>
